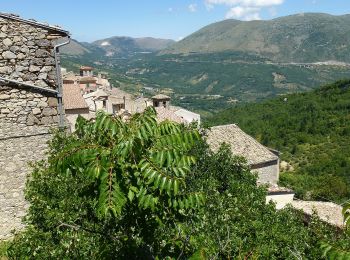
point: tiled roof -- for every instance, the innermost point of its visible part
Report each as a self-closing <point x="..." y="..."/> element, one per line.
<point x="160" y="96"/>
<point x="87" y="80"/>
<point x="241" y="144"/>
<point x="327" y="211"/>
<point x="118" y="93"/>
<point x="72" y="98"/>
<point x="167" y="114"/>
<point x="86" y="68"/>
<point x="35" y="23"/>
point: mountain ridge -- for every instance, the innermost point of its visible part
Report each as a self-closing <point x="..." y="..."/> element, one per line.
<point x="309" y="37"/>
<point x="117" y="45"/>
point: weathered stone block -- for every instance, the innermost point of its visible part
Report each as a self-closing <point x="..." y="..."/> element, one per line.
<point x="5" y="111"/>
<point x="8" y="55"/>
<point x="52" y="102"/>
<point x="48" y="111"/>
<point x="7" y="42"/>
<point x="4" y="96"/>
<point x="46" y="120"/>
<point x="36" y="111"/>
<point x="33" y="68"/>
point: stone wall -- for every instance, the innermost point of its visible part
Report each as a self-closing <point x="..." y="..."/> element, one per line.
<point x="19" y="145"/>
<point x="27" y="106"/>
<point x="268" y="173"/>
<point x="26" y="113"/>
<point x="27" y="55"/>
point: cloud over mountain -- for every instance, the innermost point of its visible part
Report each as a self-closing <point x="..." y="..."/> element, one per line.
<point x="243" y="9"/>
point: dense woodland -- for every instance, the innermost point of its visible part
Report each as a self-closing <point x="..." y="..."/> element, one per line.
<point x="312" y="132"/>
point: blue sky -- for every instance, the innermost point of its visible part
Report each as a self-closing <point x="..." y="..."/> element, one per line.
<point x="89" y="20"/>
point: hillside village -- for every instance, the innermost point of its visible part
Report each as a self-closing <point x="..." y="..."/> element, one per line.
<point x="36" y="95"/>
<point x="84" y="94"/>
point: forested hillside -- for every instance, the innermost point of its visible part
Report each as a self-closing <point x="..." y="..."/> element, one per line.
<point x="311" y="130"/>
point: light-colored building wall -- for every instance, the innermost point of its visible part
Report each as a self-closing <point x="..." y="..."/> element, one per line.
<point x="188" y="116"/>
<point x="281" y="200"/>
<point x="72" y="115"/>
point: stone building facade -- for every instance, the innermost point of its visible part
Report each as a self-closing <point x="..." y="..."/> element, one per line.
<point x="30" y="105"/>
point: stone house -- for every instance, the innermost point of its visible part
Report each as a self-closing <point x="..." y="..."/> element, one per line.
<point x="30" y="104"/>
<point x="74" y="104"/>
<point x="259" y="157"/>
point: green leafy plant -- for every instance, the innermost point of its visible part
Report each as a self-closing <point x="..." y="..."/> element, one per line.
<point x="111" y="188"/>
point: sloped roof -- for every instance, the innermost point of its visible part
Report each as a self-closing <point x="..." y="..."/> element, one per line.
<point x="241" y="144"/>
<point x="86" y="68"/>
<point x="327" y="211"/>
<point x="72" y="98"/>
<point x="118" y="93"/>
<point x="167" y="114"/>
<point x="160" y="96"/>
<point x="33" y="22"/>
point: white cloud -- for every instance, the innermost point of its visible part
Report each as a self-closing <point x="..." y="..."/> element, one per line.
<point x="192" y="8"/>
<point x="245" y="9"/>
<point x="250" y="3"/>
<point x="243" y="13"/>
<point x="170" y="9"/>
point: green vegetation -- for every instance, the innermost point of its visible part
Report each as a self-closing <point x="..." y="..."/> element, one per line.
<point x="207" y="83"/>
<point x="311" y="130"/>
<point x="3" y="250"/>
<point x="143" y="190"/>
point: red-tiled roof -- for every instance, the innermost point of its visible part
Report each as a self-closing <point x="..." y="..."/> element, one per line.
<point x="72" y="97"/>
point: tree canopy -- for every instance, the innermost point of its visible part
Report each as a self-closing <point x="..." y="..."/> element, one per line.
<point x="147" y="190"/>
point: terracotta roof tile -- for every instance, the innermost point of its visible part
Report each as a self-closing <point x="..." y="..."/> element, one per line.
<point x="72" y="97"/>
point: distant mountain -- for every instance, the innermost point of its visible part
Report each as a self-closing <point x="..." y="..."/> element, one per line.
<point x="117" y="46"/>
<point x="120" y="45"/>
<point x="309" y="37"/>
<point x="75" y="48"/>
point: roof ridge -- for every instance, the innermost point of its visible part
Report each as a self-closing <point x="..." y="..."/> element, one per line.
<point x="34" y="22"/>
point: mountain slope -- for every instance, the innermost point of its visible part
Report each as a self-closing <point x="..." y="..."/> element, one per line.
<point x="310" y="37"/>
<point x="75" y="48"/>
<point x="116" y="46"/>
<point x="311" y="130"/>
<point x="127" y="45"/>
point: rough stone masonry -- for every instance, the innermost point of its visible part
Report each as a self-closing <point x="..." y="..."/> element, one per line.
<point x="28" y="108"/>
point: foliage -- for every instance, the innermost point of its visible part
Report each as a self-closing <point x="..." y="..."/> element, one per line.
<point x="3" y="250"/>
<point x="333" y="252"/>
<point x="112" y="188"/>
<point x="312" y="132"/>
<point x="76" y="214"/>
<point x="236" y="222"/>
